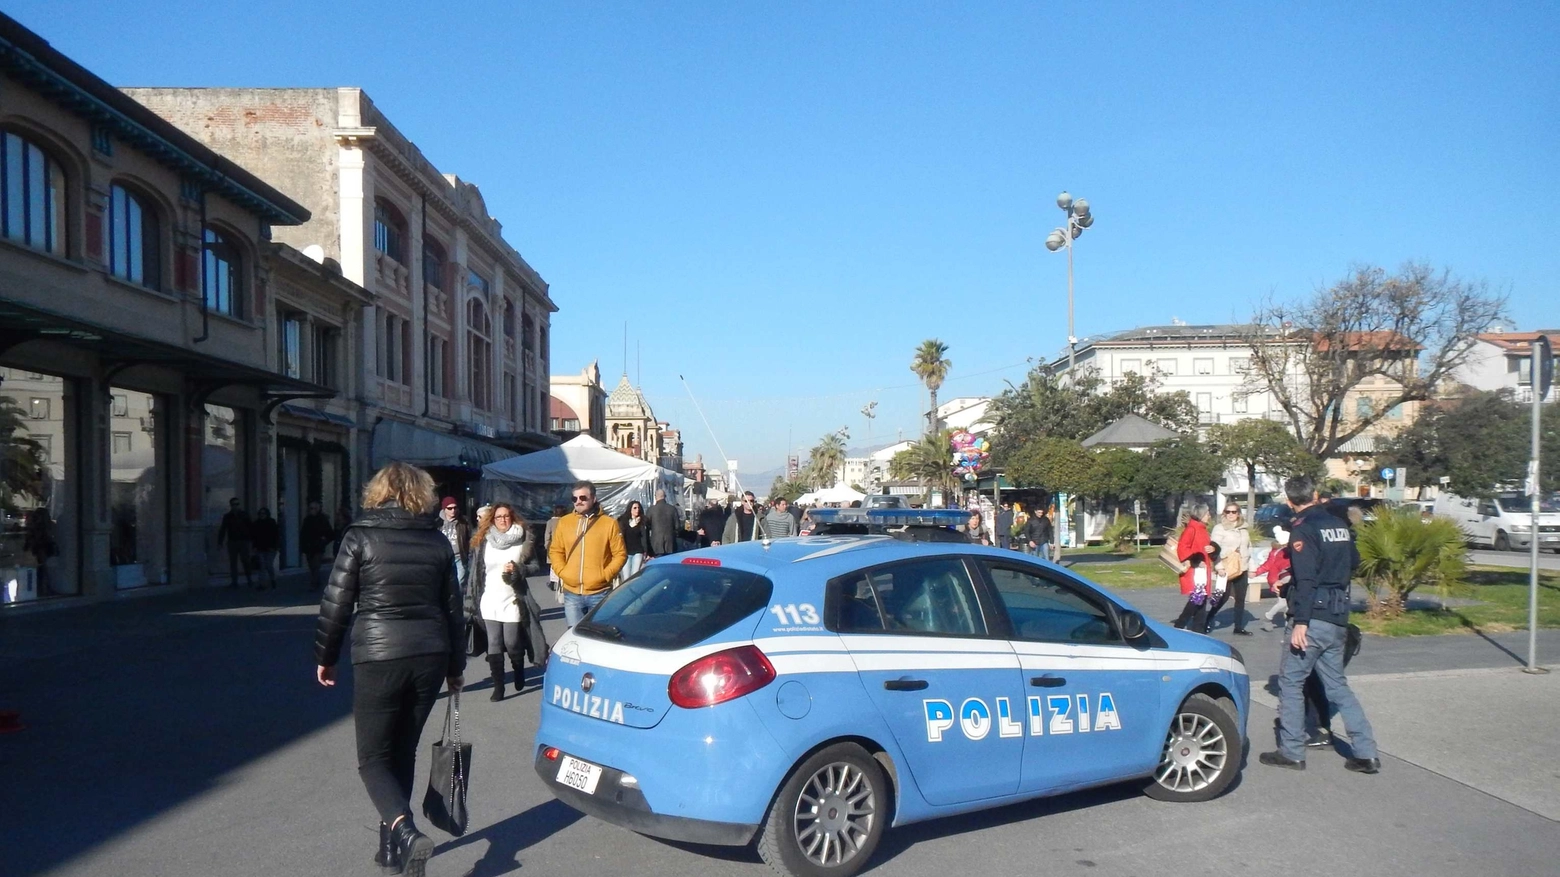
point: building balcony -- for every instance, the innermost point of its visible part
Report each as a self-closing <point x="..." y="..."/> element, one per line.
<point x="390" y="274"/>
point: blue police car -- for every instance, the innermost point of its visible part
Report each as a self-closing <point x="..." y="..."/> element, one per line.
<point x="810" y="692"/>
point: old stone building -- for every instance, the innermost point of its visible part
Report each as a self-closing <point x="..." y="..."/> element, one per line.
<point x="135" y="370"/>
<point x="583" y="397"/>
<point x="631" y="426"/>
<point x="454" y="341"/>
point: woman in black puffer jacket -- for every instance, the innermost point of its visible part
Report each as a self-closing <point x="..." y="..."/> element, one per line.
<point x="395" y="570"/>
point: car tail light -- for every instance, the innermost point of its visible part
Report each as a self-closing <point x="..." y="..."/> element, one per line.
<point x="720" y="677"/>
<point x="701" y="561"/>
<point x="551" y="753"/>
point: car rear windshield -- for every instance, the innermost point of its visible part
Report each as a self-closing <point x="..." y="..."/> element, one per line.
<point x="675" y="605"/>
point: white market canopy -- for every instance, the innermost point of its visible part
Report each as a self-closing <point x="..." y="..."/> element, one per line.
<point x="581" y="458"/>
<point x="838" y="493"/>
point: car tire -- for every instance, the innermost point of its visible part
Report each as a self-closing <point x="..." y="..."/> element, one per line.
<point x="836" y="834"/>
<point x="1502" y="542"/>
<point x="1202" y="753"/>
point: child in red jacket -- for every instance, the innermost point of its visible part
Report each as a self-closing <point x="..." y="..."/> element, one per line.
<point x="1276" y="568"/>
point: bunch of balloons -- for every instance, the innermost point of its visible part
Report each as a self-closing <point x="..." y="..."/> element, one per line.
<point x="969" y="454"/>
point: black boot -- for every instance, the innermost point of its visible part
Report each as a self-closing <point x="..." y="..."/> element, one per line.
<point x="387" y="858"/>
<point x="496" y="665"/>
<point x="517" y="661"/>
<point x="411" y="847"/>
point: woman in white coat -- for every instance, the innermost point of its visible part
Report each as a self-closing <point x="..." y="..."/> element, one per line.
<point x="498" y="595"/>
<point x="1234" y="542"/>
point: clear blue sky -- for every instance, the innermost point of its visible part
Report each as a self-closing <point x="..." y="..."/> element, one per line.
<point x="781" y="200"/>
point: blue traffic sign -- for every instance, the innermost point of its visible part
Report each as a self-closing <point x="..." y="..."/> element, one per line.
<point x="1387" y="473"/>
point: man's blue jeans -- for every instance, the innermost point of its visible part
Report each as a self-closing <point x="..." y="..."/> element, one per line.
<point x="1324" y="653"/>
<point x="577" y="606"/>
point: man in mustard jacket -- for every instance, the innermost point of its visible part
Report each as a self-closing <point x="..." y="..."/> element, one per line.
<point x="586" y="554"/>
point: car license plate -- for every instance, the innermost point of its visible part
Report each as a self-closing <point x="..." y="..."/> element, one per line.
<point x="580" y="775"/>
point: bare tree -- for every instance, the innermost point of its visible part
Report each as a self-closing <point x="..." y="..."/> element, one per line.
<point x="1414" y="328"/>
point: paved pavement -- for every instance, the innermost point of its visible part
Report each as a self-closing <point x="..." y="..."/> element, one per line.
<point x="184" y="735"/>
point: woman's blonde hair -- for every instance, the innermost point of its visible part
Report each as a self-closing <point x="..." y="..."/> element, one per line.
<point x="486" y="524"/>
<point x="403" y="484"/>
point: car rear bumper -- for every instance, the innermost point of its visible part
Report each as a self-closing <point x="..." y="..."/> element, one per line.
<point x="626" y="806"/>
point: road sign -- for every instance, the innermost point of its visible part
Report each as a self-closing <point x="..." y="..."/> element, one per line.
<point x="1543" y="364"/>
<point x="1387" y="473"/>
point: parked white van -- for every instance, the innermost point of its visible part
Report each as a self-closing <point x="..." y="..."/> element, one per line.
<point x="1504" y="522"/>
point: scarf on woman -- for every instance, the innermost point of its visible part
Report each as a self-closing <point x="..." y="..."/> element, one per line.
<point x="503" y="540"/>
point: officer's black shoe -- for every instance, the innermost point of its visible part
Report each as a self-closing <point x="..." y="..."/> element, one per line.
<point x="1278" y="759"/>
<point x="1243" y="632"/>
<point x="1363" y="765"/>
<point x="1320" y="740"/>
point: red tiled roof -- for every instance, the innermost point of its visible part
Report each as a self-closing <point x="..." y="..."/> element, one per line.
<point x="1378" y="340"/>
<point x="1516" y="342"/>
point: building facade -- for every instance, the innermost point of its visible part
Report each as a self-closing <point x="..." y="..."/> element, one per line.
<point x="454" y="343"/>
<point x="1504" y="361"/>
<point x="584" y="396"/>
<point x="630" y="425"/>
<point x="134" y="354"/>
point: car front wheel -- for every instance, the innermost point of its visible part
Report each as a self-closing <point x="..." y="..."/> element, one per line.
<point x="1202" y="753"/>
<point x="829" y="815"/>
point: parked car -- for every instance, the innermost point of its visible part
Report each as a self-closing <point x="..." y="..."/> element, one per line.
<point x="884" y="501"/>
<point x="1502" y="522"/>
<point x="806" y="694"/>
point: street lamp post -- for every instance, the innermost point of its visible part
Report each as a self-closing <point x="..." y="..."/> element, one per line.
<point x="1078" y="219"/>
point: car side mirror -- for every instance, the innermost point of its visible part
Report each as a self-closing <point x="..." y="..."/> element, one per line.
<point x="1132" y="626"/>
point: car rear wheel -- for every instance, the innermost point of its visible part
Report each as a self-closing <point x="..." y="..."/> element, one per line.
<point x="1502" y="543"/>
<point x="1202" y="753"/>
<point x="829" y="815"/>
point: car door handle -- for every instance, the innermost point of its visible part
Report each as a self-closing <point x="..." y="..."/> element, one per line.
<point x="1047" y="681"/>
<point x="905" y="684"/>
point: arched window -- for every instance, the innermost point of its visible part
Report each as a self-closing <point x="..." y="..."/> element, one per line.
<point x="389" y="231"/>
<point x="527" y="333"/>
<point x="509" y="320"/>
<point x="134" y="253"/>
<point x="32" y="195"/>
<point x="433" y="263"/>
<point x="479" y="348"/>
<point x="221" y="281"/>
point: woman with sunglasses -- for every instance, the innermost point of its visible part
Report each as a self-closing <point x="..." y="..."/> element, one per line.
<point x="635" y="541"/>
<point x="500" y="598"/>
<point x="1234" y="542"/>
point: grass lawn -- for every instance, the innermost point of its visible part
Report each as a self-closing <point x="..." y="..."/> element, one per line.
<point x="1502" y="593"/>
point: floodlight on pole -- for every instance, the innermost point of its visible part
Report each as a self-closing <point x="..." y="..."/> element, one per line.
<point x="1078" y="219"/>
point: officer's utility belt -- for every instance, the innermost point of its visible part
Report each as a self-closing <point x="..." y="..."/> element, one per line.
<point x="1331" y="603"/>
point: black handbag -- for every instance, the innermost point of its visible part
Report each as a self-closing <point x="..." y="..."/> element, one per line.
<point x="476" y="637"/>
<point x="444" y="804"/>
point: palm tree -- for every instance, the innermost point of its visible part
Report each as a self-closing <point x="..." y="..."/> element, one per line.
<point x="931" y="461"/>
<point x="931" y="365"/>
<point x="827" y="458"/>
<point x="1399" y="552"/>
<point x="22" y="465"/>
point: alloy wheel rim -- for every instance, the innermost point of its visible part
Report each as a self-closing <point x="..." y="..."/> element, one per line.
<point x="1195" y="753"/>
<point x="834" y="814"/>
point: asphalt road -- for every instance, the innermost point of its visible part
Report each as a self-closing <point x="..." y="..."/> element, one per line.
<point x="186" y="736"/>
<point x="1522" y="559"/>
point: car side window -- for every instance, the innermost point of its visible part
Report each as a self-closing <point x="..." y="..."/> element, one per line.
<point x="1046" y="610"/>
<point x="1488" y="510"/>
<point x="927" y="596"/>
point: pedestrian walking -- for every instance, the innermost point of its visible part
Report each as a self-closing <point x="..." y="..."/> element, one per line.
<point x="1038" y="534"/>
<point x="587" y="553"/>
<point x="665" y="523"/>
<point x="778" y="521"/>
<point x="1234" y="542"/>
<point x="1195" y="549"/>
<point x="315" y="533"/>
<point x="498" y="596"/>
<point x="234" y="532"/>
<point x="342" y="521"/>
<point x="394" y="572"/>
<point x="548" y="533"/>
<point x="742" y="523"/>
<point x="1276" y="569"/>
<point x="712" y="523"/>
<point x="1005" y="525"/>
<point x="265" y="536"/>
<point x="458" y="532"/>
<point x="1323" y="558"/>
<point x="635" y="529"/>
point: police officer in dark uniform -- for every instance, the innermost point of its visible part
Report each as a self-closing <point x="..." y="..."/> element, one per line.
<point x="1322" y="558"/>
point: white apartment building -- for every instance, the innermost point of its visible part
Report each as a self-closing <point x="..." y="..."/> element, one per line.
<point x="965" y="412"/>
<point x="1504" y="361"/>
<point x="1209" y="362"/>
